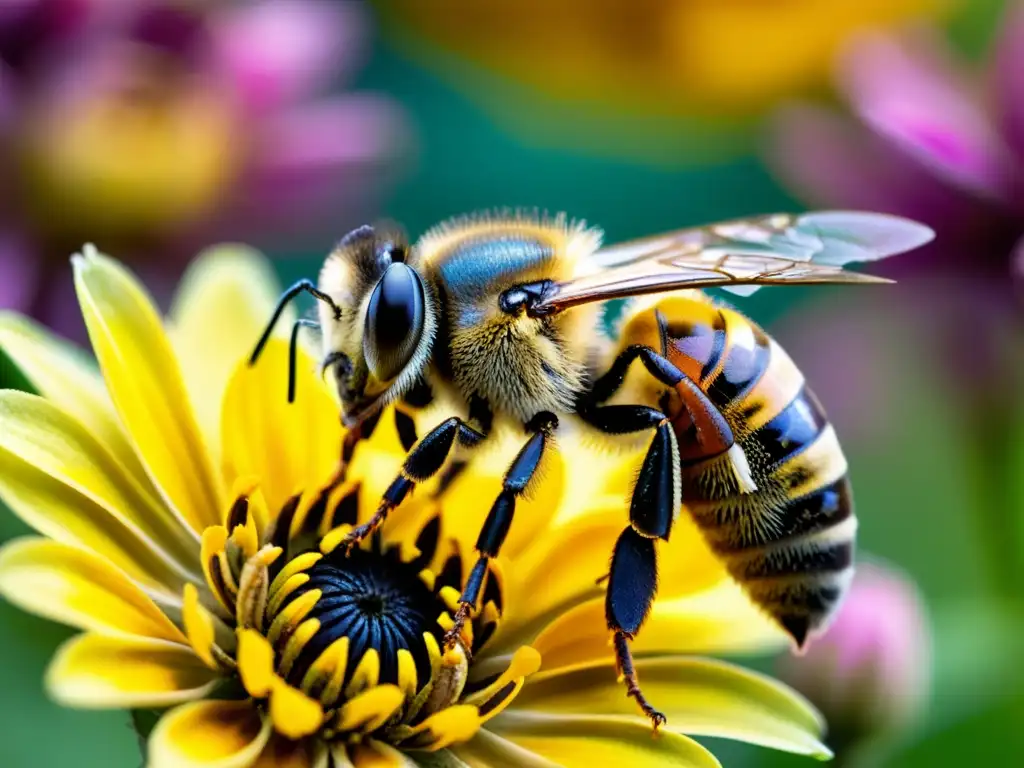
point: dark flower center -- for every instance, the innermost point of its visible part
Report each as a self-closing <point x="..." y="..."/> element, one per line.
<point x="376" y="601"/>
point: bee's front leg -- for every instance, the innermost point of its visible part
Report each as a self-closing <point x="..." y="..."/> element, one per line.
<point x="499" y="519"/>
<point x="424" y="461"/>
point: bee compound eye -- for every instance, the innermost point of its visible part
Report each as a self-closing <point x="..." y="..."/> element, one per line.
<point x="394" y="321"/>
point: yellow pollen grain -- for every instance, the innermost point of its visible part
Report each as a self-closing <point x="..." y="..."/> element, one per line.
<point x="302" y="635"/>
<point x="255" y="663"/>
<point x="277" y="598"/>
<point x="450" y="596"/>
<point x="337" y="535"/>
<point x="294" y="714"/>
<point x="406" y="673"/>
<point x="296" y="565"/>
<point x="291" y="615"/>
<point x="370" y="710"/>
<point x="322" y="669"/>
<point x="366" y="674"/>
<point x="337" y="652"/>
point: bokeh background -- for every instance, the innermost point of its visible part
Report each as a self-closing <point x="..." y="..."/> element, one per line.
<point x="153" y="128"/>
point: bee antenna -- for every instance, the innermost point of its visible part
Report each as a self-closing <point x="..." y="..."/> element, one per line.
<point x="286" y="297"/>
<point x="293" y="354"/>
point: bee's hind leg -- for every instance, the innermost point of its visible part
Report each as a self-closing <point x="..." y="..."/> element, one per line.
<point x="632" y="585"/>
<point x="499" y="519"/>
<point x="633" y="579"/>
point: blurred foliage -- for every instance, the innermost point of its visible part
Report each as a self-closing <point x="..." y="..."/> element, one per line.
<point x="913" y="479"/>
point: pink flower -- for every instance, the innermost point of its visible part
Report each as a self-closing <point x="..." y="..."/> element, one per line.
<point x="870" y="672"/>
<point x="152" y="127"/>
<point x="930" y="138"/>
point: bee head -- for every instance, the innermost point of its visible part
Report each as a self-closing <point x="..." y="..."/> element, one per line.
<point x="377" y="339"/>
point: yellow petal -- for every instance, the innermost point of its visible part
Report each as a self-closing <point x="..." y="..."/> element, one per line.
<point x="370" y="709"/>
<point x="77" y="588"/>
<point x="50" y="363"/>
<point x="145" y="383"/>
<point x="294" y="713"/>
<point x="37" y="432"/>
<point x="100" y="671"/>
<point x="208" y="734"/>
<point x="544" y="582"/>
<point x="717" y="620"/>
<point x="57" y="509"/>
<point x="699" y="696"/>
<point x="289" y="446"/>
<point x="198" y="626"/>
<point x="587" y="741"/>
<point x="223" y="303"/>
<point x="487" y="748"/>
<point x="255" y="663"/>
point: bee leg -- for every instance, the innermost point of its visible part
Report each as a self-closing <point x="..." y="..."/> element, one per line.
<point x="657" y="365"/>
<point x="633" y="579"/>
<point x="423" y="462"/>
<point x="499" y="519"/>
<point x="631" y="587"/>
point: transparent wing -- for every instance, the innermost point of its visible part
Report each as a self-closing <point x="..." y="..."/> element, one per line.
<point x="742" y="255"/>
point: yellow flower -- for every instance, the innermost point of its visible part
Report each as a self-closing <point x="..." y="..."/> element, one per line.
<point x="655" y="57"/>
<point x="189" y="518"/>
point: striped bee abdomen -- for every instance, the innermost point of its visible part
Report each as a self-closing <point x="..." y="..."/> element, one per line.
<point x="790" y="541"/>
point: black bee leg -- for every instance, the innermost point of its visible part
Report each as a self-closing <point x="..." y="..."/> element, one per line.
<point x="610" y="381"/>
<point x="423" y="462"/>
<point x="633" y="580"/>
<point x="499" y="519"/>
<point x="705" y="435"/>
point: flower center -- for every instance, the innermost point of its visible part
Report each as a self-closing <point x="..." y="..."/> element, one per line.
<point x="376" y="601"/>
<point x="341" y="644"/>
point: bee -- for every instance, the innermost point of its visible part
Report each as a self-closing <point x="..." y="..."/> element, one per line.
<point x="499" y="316"/>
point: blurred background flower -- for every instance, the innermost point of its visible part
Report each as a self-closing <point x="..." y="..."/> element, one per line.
<point x="639" y="66"/>
<point x="870" y="673"/>
<point x="152" y="125"/>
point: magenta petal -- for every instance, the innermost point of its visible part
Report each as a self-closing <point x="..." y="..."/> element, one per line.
<point x="1008" y="73"/>
<point x="832" y="162"/>
<point x="313" y="164"/>
<point x="910" y="92"/>
<point x="277" y="51"/>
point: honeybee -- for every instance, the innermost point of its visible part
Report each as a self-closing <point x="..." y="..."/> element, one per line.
<point x="499" y="315"/>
